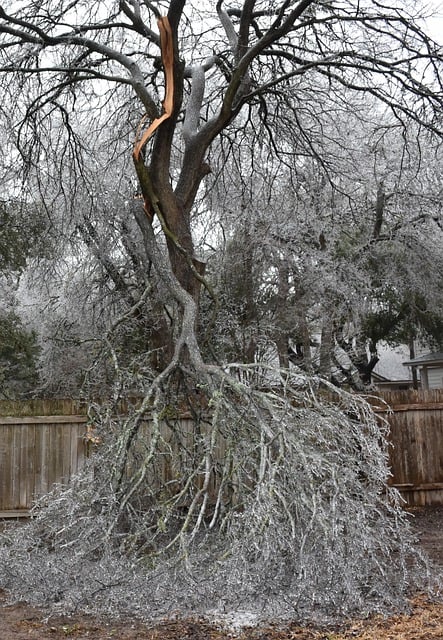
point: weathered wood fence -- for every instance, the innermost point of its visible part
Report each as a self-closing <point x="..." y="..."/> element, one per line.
<point x="42" y="443"/>
<point x="416" y="433"/>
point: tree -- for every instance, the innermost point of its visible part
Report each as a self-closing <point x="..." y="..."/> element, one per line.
<point x="251" y="56"/>
<point x="340" y="239"/>
<point x="16" y="247"/>
<point x="18" y="355"/>
<point x="19" y="349"/>
<point x="296" y="464"/>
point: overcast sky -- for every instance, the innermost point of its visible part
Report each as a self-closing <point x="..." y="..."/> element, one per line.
<point x="436" y="23"/>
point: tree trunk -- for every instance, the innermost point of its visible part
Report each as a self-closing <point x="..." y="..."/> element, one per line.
<point x="411" y="357"/>
<point x="281" y="334"/>
<point x="326" y="348"/>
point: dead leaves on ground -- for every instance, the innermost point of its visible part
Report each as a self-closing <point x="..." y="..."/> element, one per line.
<point x="424" y="622"/>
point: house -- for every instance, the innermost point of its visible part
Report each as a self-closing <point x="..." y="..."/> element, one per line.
<point x="429" y="368"/>
<point x="389" y="373"/>
<point x="383" y="383"/>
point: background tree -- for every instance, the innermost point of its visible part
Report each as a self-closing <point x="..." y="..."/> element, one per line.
<point x="22" y="238"/>
<point x="350" y="236"/>
<point x="18" y="355"/>
<point x="16" y="246"/>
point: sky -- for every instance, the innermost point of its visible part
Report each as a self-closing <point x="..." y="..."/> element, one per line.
<point x="435" y="24"/>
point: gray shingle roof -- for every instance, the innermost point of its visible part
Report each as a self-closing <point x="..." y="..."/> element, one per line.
<point x="427" y="358"/>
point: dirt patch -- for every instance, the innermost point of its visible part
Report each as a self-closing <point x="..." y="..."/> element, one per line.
<point x="427" y="523"/>
<point x="424" y="622"/>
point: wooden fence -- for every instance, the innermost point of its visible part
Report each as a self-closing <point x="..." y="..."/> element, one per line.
<point x="38" y="449"/>
<point x="416" y="434"/>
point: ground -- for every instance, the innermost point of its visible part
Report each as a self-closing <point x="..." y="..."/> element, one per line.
<point x="423" y="622"/>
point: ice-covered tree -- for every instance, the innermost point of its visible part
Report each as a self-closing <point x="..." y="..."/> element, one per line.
<point x="216" y="68"/>
<point x="332" y="248"/>
<point x="274" y="491"/>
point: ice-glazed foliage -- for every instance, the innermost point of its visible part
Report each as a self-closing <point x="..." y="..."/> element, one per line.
<point x="275" y="503"/>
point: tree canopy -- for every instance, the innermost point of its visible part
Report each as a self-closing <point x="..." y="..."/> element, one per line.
<point x="177" y="86"/>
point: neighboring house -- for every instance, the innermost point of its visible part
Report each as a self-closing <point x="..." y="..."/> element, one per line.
<point x="381" y="382"/>
<point x="429" y="368"/>
<point x="389" y="373"/>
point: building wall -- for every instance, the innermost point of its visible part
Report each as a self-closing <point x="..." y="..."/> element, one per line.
<point x="435" y="377"/>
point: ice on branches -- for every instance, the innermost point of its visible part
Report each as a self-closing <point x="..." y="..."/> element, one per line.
<point x="274" y="499"/>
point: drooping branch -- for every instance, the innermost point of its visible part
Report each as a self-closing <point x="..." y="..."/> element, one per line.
<point x="92" y="241"/>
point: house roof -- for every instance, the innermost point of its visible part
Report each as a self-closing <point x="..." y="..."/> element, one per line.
<point x="427" y="358"/>
<point x="390" y="365"/>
